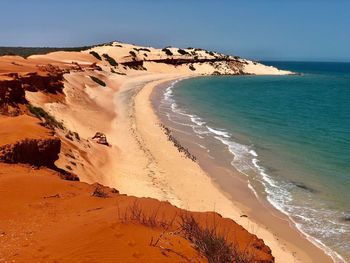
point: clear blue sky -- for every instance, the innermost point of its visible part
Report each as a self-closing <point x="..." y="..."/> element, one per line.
<point x="261" y="29"/>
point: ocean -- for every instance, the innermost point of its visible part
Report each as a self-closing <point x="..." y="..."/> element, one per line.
<point x="289" y="135"/>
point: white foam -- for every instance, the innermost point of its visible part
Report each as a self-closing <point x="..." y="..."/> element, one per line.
<point x="197" y="120"/>
<point x="245" y="160"/>
<point x="219" y="132"/>
<point x="252" y="152"/>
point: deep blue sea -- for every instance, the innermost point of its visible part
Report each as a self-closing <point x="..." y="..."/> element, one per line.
<point x="290" y="134"/>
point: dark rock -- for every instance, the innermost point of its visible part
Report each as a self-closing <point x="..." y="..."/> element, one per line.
<point x="100" y="138"/>
<point x="99" y="191"/>
<point x="11" y="94"/>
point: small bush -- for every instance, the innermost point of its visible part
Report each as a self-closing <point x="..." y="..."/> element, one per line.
<point x="142" y="49"/>
<point x="182" y="52"/>
<point x="116" y="72"/>
<point x="110" y="60"/>
<point x="42" y="114"/>
<point x="135" y="213"/>
<point x="132" y="53"/>
<point x="192" y="68"/>
<point x="215" y="247"/>
<point x="210" y="53"/>
<point x="167" y="51"/>
<point x="98" y="81"/>
<point x="96" y="55"/>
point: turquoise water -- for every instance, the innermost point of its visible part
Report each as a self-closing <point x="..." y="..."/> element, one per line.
<point x="290" y="134"/>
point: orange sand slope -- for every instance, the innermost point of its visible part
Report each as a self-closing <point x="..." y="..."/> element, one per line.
<point x="13" y="129"/>
<point x="52" y="105"/>
<point x="46" y="219"/>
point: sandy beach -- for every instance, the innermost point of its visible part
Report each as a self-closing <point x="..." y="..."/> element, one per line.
<point x="186" y="185"/>
<point x="144" y="163"/>
<point x="140" y="160"/>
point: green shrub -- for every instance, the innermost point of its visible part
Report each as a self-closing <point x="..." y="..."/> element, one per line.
<point x="110" y="60"/>
<point x="28" y="51"/>
<point x="96" y="55"/>
<point x="142" y="49"/>
<point x="209" y="242"/>
<point x="132" y="53"/>
<point x="116" y="72"/>
<point x="192" y="68"/>
<point x="43" y="115"/>
<point x="182" y="52"/>
<point x="167" y="51"/>
<point x="210" y="53"/>
<point x="98" y="81"/>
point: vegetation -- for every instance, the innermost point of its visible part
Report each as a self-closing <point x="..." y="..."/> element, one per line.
<point x="28" y="51"/>
<point x="135" y="213"/>
<point x="96" y="55"/>
<point x="110" y="60"/>
<point x="98" y="81"/>
<point x="49" y="120"/>
<point x="209" y="240"/>
<point x="167" y="51"/>
<point x="192" y="68"/>
<point x="210" y="53"/>
<point x="215" y="247"/>
<point x="116" y="72"/>
<point x="182" y="52"/>
<point x="132" y="53"/>
<point x="142" y="49"/>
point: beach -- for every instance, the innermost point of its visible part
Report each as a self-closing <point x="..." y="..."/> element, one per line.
<point x="191" y="188"/>
<point x="143" y="162"/>
<point x="142" y="158"/>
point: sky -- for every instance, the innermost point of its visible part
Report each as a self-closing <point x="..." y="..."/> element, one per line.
<point x="306" y="30"/>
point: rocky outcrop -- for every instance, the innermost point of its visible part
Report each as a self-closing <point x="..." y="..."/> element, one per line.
<point x="12" y="89"/>
<point x="52" y="83"/>
<point x="100" y="138"/>
<point x="11" y="94"/>
<point x="38" y="152"/>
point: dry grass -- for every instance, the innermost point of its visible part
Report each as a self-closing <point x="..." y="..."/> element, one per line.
<point x="135" y="213"/>
<point x="207" y="240"/>
<point x="211" y="243"/>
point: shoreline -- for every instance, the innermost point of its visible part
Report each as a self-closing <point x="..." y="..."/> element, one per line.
<point x="287" y="249"/>
<point x="179" y="127"/>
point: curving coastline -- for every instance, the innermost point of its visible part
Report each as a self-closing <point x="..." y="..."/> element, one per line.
<point x="188" y="127"/>
<point x="114" y="99"/>
<point x="261" y="214"/>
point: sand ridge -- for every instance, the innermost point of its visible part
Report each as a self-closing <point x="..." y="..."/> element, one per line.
<point x="140" y="160"/>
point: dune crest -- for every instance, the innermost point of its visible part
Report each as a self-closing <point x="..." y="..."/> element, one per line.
<point x="52" y="107"/>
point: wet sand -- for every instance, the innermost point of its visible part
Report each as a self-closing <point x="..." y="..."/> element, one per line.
<point x="262" y="218"/>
